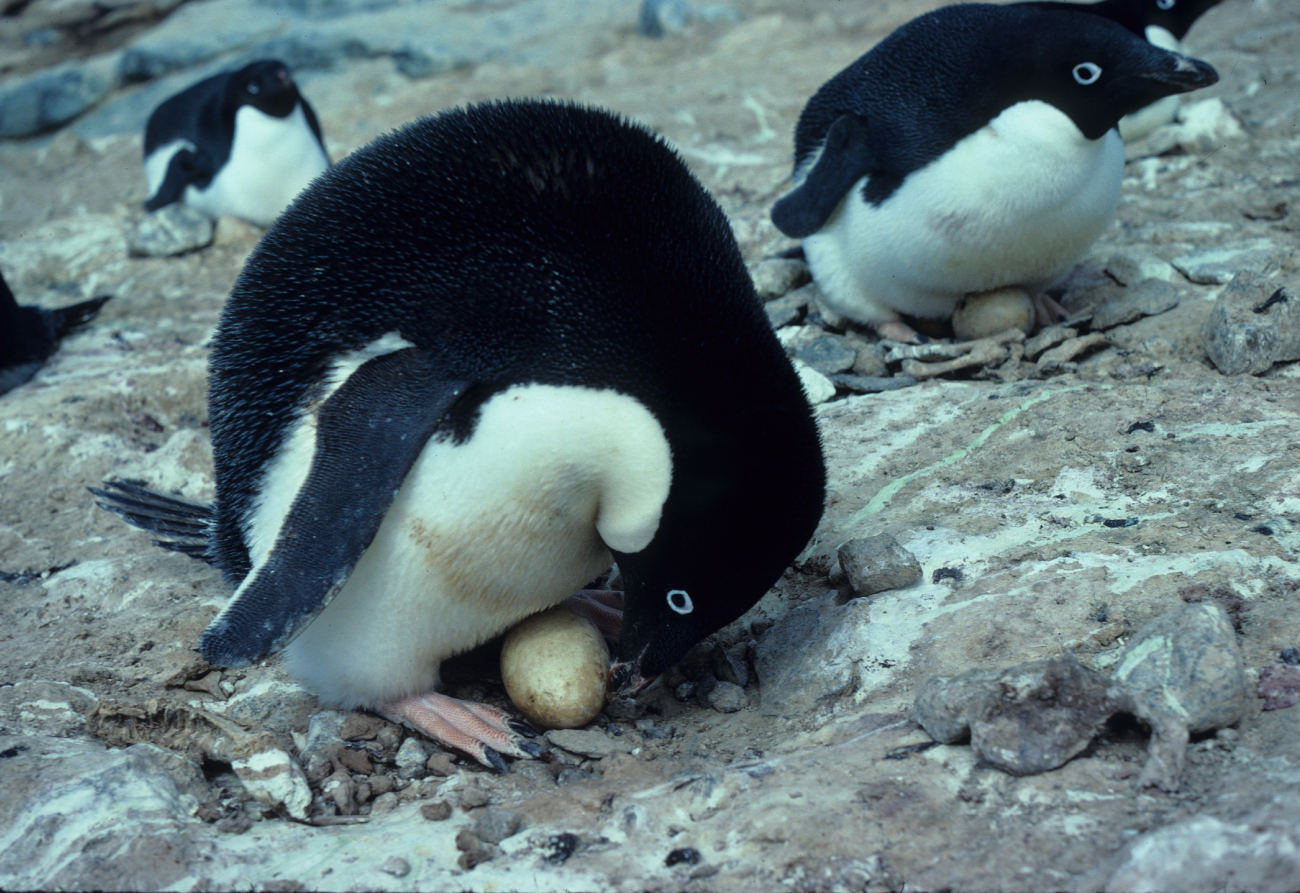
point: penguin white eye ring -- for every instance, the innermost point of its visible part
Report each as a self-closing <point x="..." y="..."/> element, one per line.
<point x="1087" y="73"/>
<point x="680" y="602"/>
<point x="254" y="87"/>
<point x="1165" y="4"/>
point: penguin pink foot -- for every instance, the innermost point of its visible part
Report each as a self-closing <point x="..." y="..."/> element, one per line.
<point x="483" y="732"/>
<point x="1047" y="311"/>
<point x="896" y="330"/>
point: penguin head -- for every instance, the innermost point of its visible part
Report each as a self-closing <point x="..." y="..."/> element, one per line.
<point x="265" y="85"/>
<point x="1175" y="16"/>
<point x="733" y="521"/>
<point x="1096" y="71"/>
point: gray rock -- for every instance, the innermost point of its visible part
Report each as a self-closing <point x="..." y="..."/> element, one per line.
<point x="786" y="309"/>
<point x="807" y="659"/>
<point x="877" y="563"/>
<point x="1025" y="719"/>
<point x="1216" y="266"/>
<point x="1046" y="339"/>
<point x="731" y="664"/>
<point x="1185" y="675"/>
<point x="775" y="277"/>
<point x="1150" y="297"/>
<point x="726" y="697"/>
<point x="411" y="759"/>
<point x="659" y="18"/>
<point x="1132" y="267"/>
<point x="573" y="775"/>
<point x="828" y="354"/>
<point x="1254" y="324"/>
<point x="42" y="707"/>
<point x="273" y="706"/>
<point x="685" y="691"/>
<point x="49" y="98"/>
<point x="396" y="866"/>
<point x="817" y="387"/>
<point x="588" y="743"/>
<point x="1061" y="358"/>
<point x="418" y="61"/>
<point x="148" y="63"/>
<point x="1203" y="854"/>
<point x="859" y="384"/>
<point x="171" y="230"/>
<point x="870" y="361"/>
<point x="496" y="824"/>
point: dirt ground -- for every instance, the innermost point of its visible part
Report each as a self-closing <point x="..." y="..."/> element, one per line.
<point x="816" y="787"/>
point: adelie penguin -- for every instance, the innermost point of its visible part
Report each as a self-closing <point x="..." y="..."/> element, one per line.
<point x="473" y="363"/>
<point x="30" y="335"/>
<point x="1163" y="23"/>
<point x="240" y="144"/>
<point x="972" y="149"/>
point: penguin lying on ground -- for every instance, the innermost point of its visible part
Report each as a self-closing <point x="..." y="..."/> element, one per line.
<point x="30" y="335"/>
<point x="240" y="144"/>
<point x="472" y="363"/>
<point x="972" y="149"/>
<point x="1163" y="23"/>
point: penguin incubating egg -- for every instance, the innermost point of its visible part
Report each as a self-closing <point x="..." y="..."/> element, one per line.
<point x="1163" y="23"/>
<point x="472" y="364"/>
<point x="972" y="149"/>
<point x="240" y="144"/>
<point x="30" y="335"/>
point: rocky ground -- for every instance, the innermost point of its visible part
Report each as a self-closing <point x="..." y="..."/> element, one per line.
<point x="1057" y="495"/>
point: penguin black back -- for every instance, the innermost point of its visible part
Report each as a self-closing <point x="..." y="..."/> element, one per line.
<point x="30" y="335"/>
<point x="530" y="243"/>
<point x="1175" y="16"/>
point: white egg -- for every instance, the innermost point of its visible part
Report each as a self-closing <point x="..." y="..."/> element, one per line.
<point x="554" y="665"/>
<point x="986" y="313"/>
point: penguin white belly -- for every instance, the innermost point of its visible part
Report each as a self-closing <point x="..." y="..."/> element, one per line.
<point x="1015" y="203"/>
<point x="155" y="166"/>
<point x="479" y="536"/>
<point x="271" y="161"/>
<point x="1162" y="111"/>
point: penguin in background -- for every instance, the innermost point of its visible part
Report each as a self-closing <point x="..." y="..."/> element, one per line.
<point x="1163" y="23"/>
<point x="240" y="144"/>
<point x="30" y="335"/>
<point x="972" y="149"/>
<point x="471" y="365"/>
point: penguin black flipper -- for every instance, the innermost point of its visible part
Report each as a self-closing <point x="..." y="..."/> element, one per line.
<point x="65" y="319"/>
<point x="369" y="434"/>
<point x="184" y="169"/>
<point x="845" y="158"/>
<point x="141" y="507"/>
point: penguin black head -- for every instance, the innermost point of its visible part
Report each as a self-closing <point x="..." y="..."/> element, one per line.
<point x="1096" y="71"/>
<point x="265" y="85"/>
<point x="1175" y="16"/>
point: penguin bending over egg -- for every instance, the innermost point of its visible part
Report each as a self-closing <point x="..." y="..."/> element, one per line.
<point x="239" y="144"/>
<point x="972" y="149"/>
<point x="1163" y="23"/>
<point x="475" y="362"/>
<point x="30" y="335"/>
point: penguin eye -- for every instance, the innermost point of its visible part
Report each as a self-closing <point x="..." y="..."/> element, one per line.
<point x="680" y="602"/>
<point x="1164" y="4"/>
<point x="254" y="88"/>
<point x="1087" y="73"/>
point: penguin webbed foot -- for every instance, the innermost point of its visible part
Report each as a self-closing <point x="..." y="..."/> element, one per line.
<point x="603" y="607"/>
<point x="479" y="730"/>
<point x="897" y="330"/>
<point x="1048" y="311"/>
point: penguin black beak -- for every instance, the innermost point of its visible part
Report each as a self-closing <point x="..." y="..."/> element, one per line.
<point x="625" y="680"/>
<point x="1187" y="74"/>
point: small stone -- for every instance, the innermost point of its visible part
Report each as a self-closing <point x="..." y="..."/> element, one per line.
<point x="1290" y="656"/>
<point x="817" y="387"/>
<point x="659" y="18"/>
<point x="1048" y="338"/>
<point x="473" y="858"/>
<point x="360" y="727"/>
<point x="878" y="563"/>
<point x="470" y="797"/>
<point x="588" y="743"/>
<point x="685" y="691"/>
<point x="380" y="784"/>
<point x="396" y="866"/>
<point x="356" y="760"/>
<point x="411" y="759"/>
<point x="437" y="811"/>
<point x="495" y="825"/>
<point x="870" y="361"/>
<point x="573" y="775"/>
<point x="467" y="841"/>
<point x="1060" y="358"/>
<point x="786" y="309"/>
<point x="1253" y="325"/>
<point x="726" y="697"/>
<point x="340" y="789"/>
<point x="1132" y="267"/>
<point x="828" y="354"/>
<point x="272" y="777"/>
<point x="171" y="230"/>
<point x="1148" y="298"/>
<point x="1279" y="686"/>
<point x="1217" y="266"/>
<point x="441" y="765"/>
<point x="730" y="664"/>
<point x="988" y="313"/>
<point x="859" y="384"/>
<point x="384" y="803"/>
<point x="775" y="277"/>
<point x="237" y="822"/>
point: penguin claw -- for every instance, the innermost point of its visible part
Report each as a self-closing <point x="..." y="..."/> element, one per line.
<point x="520" y="727"/>
<point x="494" y="760"/>
<point x="483" y="732"/>
<point x="532" y="748"/>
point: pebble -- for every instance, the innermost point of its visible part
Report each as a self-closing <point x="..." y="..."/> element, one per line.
<point x="45" y="100"/>
<point x="1132" y="267"/>
<point x="859" y="384"/>
<point x="786" y="309"/>
<point x="471" y="797"/>
<point x="441" y="765"/>
<point x="411" y="759"/>
<point x="437" y="811"/>
<point x="727" y="697"/>
<point x="1218" y="265"/>
<point x="360" y="727"/>
<point x="1048" y="338"/>
<point x="685" y="691"/>
<point x="171" y="230"/>
<point x="828" y="354"/>
<point x="573" y="775"/>
<point x="385" y="802"/>
<point x="730" y="664"/>
<point x="396" y="866"/>
<point x="775" y="277"/>
<point x="1150" y="297"/>
<point x="817" y="387"/>
<point x="878" y="563"/>
<point x="659" y="18"/>
<point x="496" y="824"/>
<point x="1254" y="324"/>
<point x="870" y="361"/>
<point x="1060" y="358"/>
<point x="1279" y="686"/>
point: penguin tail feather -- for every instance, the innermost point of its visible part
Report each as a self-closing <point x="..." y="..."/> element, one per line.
<point x="188" y="523"/>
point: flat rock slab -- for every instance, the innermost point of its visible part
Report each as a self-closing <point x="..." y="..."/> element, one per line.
<point x="171" y="230"/>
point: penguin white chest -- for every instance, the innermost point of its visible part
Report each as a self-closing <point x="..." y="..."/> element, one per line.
<point x="1015" y="203"/>
<point x="271" y="161"/>
<point x="484" y="533"/>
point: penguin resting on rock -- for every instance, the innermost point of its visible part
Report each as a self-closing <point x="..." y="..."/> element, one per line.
<point x="974" y="148"/>
<point x="239" y="144"/>
<point x="30" y="335"/>
<point x="1163" y="23"/>
<point x="471" y="365"/>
